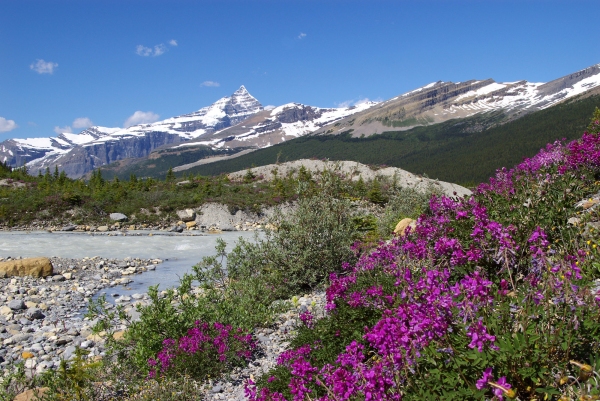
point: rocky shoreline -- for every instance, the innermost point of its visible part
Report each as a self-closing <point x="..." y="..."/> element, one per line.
<point x="41" y="319"/>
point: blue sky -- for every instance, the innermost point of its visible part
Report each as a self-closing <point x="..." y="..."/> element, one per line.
<point x="67" y="64"/>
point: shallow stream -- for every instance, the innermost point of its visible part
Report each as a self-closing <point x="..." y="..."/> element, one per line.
<point x="179" y="252"/>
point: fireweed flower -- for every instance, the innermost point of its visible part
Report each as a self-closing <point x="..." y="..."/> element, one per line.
<point x="424" y="307"/>
<point x="202" y="338"/>
<point x="479" y="336"/>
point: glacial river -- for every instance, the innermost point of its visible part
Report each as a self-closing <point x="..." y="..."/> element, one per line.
<point x="178" y="252"/>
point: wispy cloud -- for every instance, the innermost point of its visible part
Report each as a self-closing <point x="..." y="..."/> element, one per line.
<point x="82" y="122"/>
<point x="43" y="67"/>
<point x="301" y="36"/>
<point x="7" y="125"/>
<point x="159" y="49"/>
<point x="210" y="84"/>
<point x="144" y="51"/>
<point x="61" y="130"/>
<point x="354" y="102"/>
<point x="173" y="42"/>
<point x="141" y="117"/>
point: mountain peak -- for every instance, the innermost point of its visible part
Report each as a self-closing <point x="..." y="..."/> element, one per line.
<point x="241" y="91"/>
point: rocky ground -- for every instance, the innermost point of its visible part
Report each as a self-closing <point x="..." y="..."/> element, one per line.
<point x="41" y="320"/>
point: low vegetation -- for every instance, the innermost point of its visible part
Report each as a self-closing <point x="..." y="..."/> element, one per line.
<point x="53" y="198"/>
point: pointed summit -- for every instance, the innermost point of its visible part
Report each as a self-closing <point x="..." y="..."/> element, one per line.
<point x="241" y="91"/>
<point x="243" y="101"/>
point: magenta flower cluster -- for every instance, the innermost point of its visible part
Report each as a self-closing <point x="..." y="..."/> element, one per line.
<point x="429" y="302"/>
<point x="204" y="341"/>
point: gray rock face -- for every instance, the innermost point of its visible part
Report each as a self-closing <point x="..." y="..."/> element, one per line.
<point x="118" y="217"/>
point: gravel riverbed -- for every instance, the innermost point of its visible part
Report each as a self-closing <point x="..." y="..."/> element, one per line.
<point x="41" y="319"/>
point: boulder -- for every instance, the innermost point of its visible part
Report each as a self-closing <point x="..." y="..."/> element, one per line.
<point x="34" y="267"/>
<point x="403" y="225"/>
<point x="69" y="227"/>
<point x="176" y="229"/>
<point x="186" y="215"/>
<point x="33" y="394"/>
<point x="190" y="224"/>
<point x="118" y="217"/>
<point x="103" y="229"/>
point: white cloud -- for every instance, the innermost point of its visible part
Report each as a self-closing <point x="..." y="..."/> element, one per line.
<point x="302" y="35"/>
<point x="7" y="125"/>
<point x="141" y="117"/>
<point x="43" y="67"/>
<point x="211" y="84"/>
<point x="158" y="50"/>
<point x="82" y="122"/>
<point x="346" y="103"/>
<point x="143" y="51"/>
<point x="61" y="130"/>
<point x="173" y="42"/>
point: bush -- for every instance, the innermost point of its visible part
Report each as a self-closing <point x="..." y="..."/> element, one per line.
<point x="305" y="247"/>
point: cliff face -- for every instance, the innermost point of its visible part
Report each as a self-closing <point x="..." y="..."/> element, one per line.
<point x="82" y="159"/>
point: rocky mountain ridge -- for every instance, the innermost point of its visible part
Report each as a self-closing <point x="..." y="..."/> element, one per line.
<point x="442" y="101"/>
<point x="240" y="123"/>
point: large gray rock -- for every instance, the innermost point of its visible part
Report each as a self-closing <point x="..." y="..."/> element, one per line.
<point x="186" y="215"/>
<point x="176" y="229"/>
<point x="118" y="217"/>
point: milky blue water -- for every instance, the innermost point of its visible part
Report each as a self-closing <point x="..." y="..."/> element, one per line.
<point x="178" y="252"/>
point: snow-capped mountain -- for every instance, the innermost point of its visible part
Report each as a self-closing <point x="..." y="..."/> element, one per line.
<point x="240" y="121"/>
<point x="441" y="101"/>
<point x="277" y="125"/>
<point x="77" y="154"/>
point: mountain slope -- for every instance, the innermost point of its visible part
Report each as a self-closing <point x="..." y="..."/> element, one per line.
<point x="443" y="101"/>
<point x="452" y="151"/>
